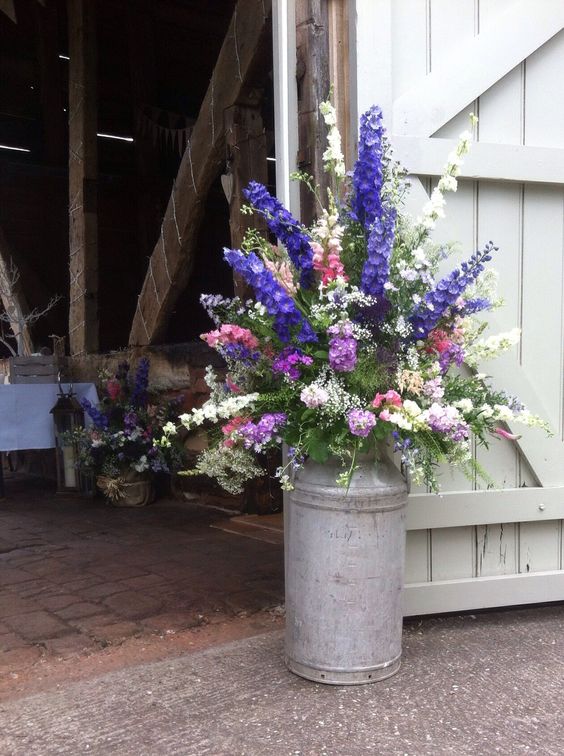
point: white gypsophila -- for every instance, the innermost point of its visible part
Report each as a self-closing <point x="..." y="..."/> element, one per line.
<point x="232" y="467"/>
<point x="486" y="349"/>
<point x="339" y="401"/>
<point x="400" y="327"/>
<point x="412" y="358"/>
<point x="464" y="405"/>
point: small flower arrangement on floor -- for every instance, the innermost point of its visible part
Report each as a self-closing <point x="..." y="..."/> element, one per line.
<point x="354" y="337"/>
<point x="126" y="430"/>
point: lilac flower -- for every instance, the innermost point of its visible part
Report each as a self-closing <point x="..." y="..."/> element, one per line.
<point x="376" y="270"/>
<point x="447" y="420"/>
<point x="286" y="228"/>
<point x="447" y="291"/>
<point x="139" y="393"/>
<point x="368" y="175"/>
<point x="99" y="420"/>
<point x="272" y="295"/>
<point x="288" y="362"/>
<point x="433" y="388"/>
<point x="257" y="435"/>
<point x="361" y="422"/>
<point x="342" y="348"/>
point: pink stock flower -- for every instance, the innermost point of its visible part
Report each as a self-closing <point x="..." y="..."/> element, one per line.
<point x="232" y="386"/>
<point x="390" y="397"/>
<point x="113" y="387"/>
<point x="230" y="334"/>
<point x="505" y="434"/>
<point x="438" y="340"/>
<point x="229" y="428"/>
<point x="385" y="415"/>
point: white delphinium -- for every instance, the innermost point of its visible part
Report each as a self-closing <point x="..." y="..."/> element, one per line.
<point x="434" y="208"/>
<point x="464" y="405"/>
<point x="486" y="349"/>
<point x="333" y="156"/>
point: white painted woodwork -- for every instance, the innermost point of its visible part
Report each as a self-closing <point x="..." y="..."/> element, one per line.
<point x="428" y="63"/>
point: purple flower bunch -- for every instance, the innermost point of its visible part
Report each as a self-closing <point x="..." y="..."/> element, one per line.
<point x="272" y="295"/>
<point x="257" y="435"/>
<point x="286" y="228"/>
<point x="342" y="347"/>
<point x="288" y="362"/>
<point x="447" y="291"/>
<point x="240" y="352"/>
<point x="368" y="175"/>
<point x="361" y="422"/>
<point x="99" y="419"/>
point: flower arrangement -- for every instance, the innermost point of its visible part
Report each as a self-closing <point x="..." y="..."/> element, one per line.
<point x="355" y="336"/>
<point x="127" y="428"/>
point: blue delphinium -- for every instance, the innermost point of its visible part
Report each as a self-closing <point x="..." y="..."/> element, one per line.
<point x="99" y="420"/>
<point x="368" y="175"/>
<point x="278" y="303"/>
<point x="376" y="269"/>
<point x="286" y="228"/>
<point x="446" y="292"/>
<point x="139" y="393"/>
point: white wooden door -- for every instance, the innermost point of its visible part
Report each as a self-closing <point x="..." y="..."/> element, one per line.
<point x="429" y="63"/>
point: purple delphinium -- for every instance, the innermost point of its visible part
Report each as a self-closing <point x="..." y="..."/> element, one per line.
<point x="452" y="354"/>
<point x="257" y="435"/>
<point x="447" y="291"/>
<point x="286" y="228"/>
<point x="342" y="348"/>
<point x="361" y="422"/>
<point x="240" y="353"/>
<point x="289" y="361"/>
<point x="376" y="269"/>
<point x="99" y="420"/>
<point x="475" y="305"/>
<point x="130" y="421"/>
<point x="278" y="303"/>
<point x="368" y="175"/>
<point x="139" y="393"/>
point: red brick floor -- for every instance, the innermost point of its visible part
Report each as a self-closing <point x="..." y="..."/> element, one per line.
<point x="78" y="576"/>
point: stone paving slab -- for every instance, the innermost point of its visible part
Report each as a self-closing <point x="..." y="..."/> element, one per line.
<point x="78" y="569"/>
<point x="472" y="685"/>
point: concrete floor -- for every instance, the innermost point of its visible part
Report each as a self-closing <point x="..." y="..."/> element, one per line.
<point x="90" y="596"/>
<point x="489" y="684"/>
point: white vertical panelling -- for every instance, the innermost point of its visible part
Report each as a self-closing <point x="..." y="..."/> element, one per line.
<point x="496" y="550"/>
<point x="417" y="557"/>
<point x="453" y="553"/>
<point x="540" y="546"/>
<point x="544" y="125"/>
<point x="542" y="296"/>
<point x="410" y="24"/>
<point x="451" y="24"/>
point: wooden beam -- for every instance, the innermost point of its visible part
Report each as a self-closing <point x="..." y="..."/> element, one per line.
<point x="52" y="96"/>
<point x="170" y="265"/>
<point x="13" y="300"/>
<point x="246" y="161"/>
<point x="83" y="158"/>
<point x="312" y="51"/>
<point x="339" y="71"/>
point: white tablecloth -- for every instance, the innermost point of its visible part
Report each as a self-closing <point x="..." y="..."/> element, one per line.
<point x="25" y="418"/>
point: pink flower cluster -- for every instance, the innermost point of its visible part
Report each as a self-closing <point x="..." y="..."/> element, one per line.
<point x="230" y="334"/>
<point x="230" y="428"/>
<point x="329" y="265"/>
<point x="390" y="397"/>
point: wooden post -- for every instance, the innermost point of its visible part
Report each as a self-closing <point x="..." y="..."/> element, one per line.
<point x="83" y="217"/>
<point x="246" y="160"/>
<point x="312" y="42"/>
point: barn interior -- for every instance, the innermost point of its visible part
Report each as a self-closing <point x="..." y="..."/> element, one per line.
<point x="133" y="74"/>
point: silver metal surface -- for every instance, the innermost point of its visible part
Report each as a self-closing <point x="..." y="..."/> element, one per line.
<point x="344" y="555"/>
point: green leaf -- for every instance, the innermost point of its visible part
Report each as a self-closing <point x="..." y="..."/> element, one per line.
<point x="321" y="355"/>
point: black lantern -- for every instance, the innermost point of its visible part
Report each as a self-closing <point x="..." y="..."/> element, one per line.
<point x="68" y="416"/>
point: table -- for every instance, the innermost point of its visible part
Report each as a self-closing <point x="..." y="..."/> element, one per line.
<point x="25" y="418"/>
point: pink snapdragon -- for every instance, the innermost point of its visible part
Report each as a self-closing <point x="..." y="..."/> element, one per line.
<point x="328" y="264"/>
<point x="390" y="397"/>
<point x="505" y="434"/>
<point x="282" y="272"/>
<point x="230" y="334"/>
<point x="113" y="387"/>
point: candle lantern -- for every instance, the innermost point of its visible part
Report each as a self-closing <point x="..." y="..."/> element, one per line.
<point x="68" y="416"/>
